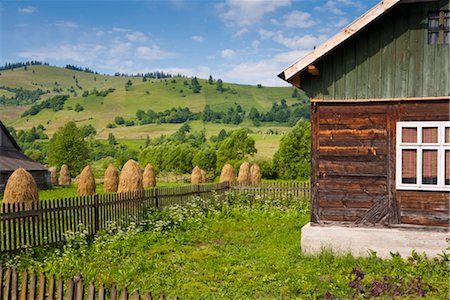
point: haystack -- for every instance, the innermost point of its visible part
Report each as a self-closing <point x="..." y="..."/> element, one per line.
<point x="130" y="178"/>
<point x="53" y="175"/>
<point x="149" y="177"/>
<point x="21" y="188"/>
<point x="244" y="174"/>
<point x="204" y="176"/>
<point x="227" y="174"/>
<point x="196" y="176"/>
<point x="111" y="179"/>
<point x="255" y="171"/>
<point x="86" y="182"/>
<point x="64" y="175"/>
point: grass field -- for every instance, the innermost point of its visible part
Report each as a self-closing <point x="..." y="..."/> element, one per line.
<point x="233" y="251"/>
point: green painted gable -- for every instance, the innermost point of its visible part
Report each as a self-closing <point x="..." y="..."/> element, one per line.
<point x="389" y="58"/>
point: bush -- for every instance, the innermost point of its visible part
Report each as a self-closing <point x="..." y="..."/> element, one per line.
<point x="119" y="120"/>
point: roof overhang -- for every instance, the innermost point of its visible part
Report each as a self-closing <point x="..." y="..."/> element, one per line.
<point x="291" y="74"/>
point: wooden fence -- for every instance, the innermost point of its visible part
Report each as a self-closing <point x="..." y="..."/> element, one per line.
<point x="26" y="286"/>
<point x="46" y="222"/>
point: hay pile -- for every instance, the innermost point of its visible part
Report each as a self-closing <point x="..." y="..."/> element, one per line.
<point x="64" y="175"/>
<point x="149" y="177"/>
<point x="204" y="177"/>
<point x="255" y="171"/>
<point x="86" y="182"/>
<point x="21" y="188"/>
<point x="196" y="176"/>
<point x="244" y="174"/>
<point x="53" y="175"/>
<point x="130" y="178"/>
<point x="227" y="174"/>
<point x="111" y="179"/>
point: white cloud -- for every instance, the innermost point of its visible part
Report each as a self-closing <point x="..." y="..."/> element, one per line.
<point x="263" y="72"/>
<point x="153" y="52"/>
<point x="240" y="32"/>
<point x="335" y="6"/>
<point x="83" y="53"/>
<point x="249" y="12"/>
<point x="228" y="53"/>
<point x="198" y="38"/>
<point x="118" y="29"/>
<point x="65" y="24"/>
<point x="255" y="44"/>
<point x="119" y="48"/>
<point x="265" y="34"/>
<point x="296" y="19"/>
<point x="136" y="36"/>
<point x="300" y="42"/>
<point x="27" y="9"/>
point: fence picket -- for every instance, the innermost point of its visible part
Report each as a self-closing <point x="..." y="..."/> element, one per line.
<point x="32" y="289"/>
<point x="24" y="286"/>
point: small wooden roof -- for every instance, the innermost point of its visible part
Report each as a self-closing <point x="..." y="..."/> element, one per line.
<point x="290" y="73"/>
<point x="11" y="156"/>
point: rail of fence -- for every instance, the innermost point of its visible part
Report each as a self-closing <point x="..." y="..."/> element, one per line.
<point x="24" y="285"/>
<point x="46" y="222"/>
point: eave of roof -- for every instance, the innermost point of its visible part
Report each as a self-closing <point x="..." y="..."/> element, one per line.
<point x="339" y="38"/>
<point x="13" y="141"/>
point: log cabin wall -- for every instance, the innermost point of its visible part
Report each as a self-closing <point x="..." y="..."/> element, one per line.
<point x="354" y="161"/>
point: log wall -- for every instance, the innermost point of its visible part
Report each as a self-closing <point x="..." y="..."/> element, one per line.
<point x="353" y="169"/>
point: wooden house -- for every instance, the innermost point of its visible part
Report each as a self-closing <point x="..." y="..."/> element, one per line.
<point x="12" y="158"/>
<point x="379" y="94"/>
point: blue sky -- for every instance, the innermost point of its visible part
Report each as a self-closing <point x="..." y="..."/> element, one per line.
<point x="239" y="41"/>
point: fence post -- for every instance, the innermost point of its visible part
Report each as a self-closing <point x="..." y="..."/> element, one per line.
<point x="96" y="215"/>
<point x="156" y="198"/>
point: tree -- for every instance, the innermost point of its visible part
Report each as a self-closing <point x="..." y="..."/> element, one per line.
<point x="78" y="107"/>
<point x="68" y="146"/>
<point x="294" y="93"/>
<point x="235" y="147"/>
<point x="205" y="158"/>
<point x="293" y="158"/>
<point x="128" y="84"/>
<point x="210" y="80"/>
<point x="119" y="120"/>
<point x="219" y="85"/>
<point x="112" y="139"/>
<point x="88" y="130"/>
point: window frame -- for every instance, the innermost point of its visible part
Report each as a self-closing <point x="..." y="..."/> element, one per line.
<point x="441" y="30"/>
<point x="441" y="146"/>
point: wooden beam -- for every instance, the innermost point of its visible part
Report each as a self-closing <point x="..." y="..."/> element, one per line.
<point x="442" y="98"/>
<point x="313" y="70"/>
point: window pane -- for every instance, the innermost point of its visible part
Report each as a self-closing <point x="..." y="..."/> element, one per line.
<point x="409" y="135"/>
<point x="409" y="159"/>
<point x="447" y="167"/>
<point x="429" y="167"/>
<point x="429" y="135"/>
<point x="447" y="21"/>
<point x="433" y="38"/>
<point x="447" y="134"/>
<point x="447" y="37"/>
<point x="433" y="24"/>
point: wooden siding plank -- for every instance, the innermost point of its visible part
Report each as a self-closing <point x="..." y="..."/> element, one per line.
<point x="417" y="38"/>
<point x="339" y="74"/>
<point x="362" y="66"/>
<point x="347" y="183"/>
<point x="327" y="77"/>
<point x="419" y="217"/>
<point x="352" y="167"/>
<point x="374" y="62"/>
<point x="388" y="58"/>
<point x="315" y="116"/>
<point x="350" y="69"/>
<point x="422" y="200"/>
<point x="430" y="65"/>
<point x="402" y="52"/>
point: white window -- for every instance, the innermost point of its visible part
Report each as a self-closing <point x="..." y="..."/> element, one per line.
<point x="423" y="156"/>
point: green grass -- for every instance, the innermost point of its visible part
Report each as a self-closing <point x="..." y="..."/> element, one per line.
<point x="239" y="251"/>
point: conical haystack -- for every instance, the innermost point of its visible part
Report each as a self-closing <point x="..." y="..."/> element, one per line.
<point x="53" y="175"/>
<point x="64" y="175"/>
<point x="149" y="176"/>
<point x="255" y="171"/>
<point x="130" y="178"/>
<point x="111" y="179"/>
<point x="204" y="176"/>
<point x="86" y="182"/>
<point x="21" y="188"/>
<point x="244" y="174"/>
<point x="196" y="176"/>
<point x="227" y="174"/>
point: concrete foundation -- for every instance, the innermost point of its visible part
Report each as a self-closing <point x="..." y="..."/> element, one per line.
<point x="359" y="241"/>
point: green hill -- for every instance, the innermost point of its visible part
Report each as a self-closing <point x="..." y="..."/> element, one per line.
<point x="155" y="94"/>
